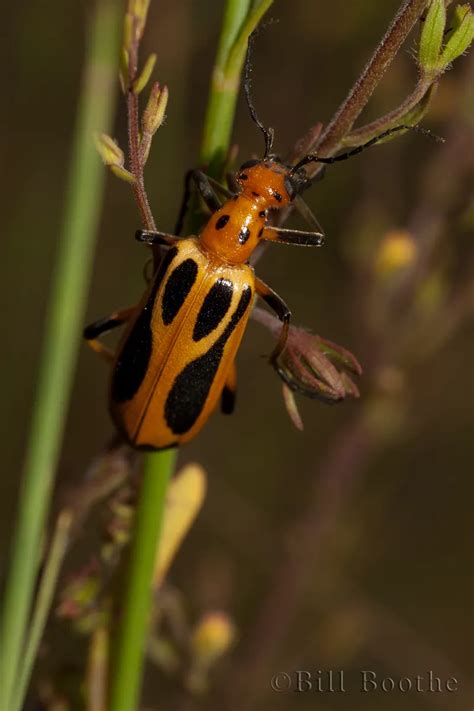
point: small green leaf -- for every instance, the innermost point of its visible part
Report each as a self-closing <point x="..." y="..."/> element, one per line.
<point x="145" y="75"/>
<point x="127" y="32"/>
<point x="123" y="71"/>
<point x="461" y="37"/>
<point x="432" y="36"/>
<point x="123" y="174"/>
<point x="109" y="150"/>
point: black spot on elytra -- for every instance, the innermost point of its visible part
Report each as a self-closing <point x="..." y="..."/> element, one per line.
<point x="255" y="194"/>
<point x="133" y="360"/>
<point x="244" y="234"/>
<point x="243" y="176"/>
<point x="213" y="309"/>
<point x="222" y="221"/>
<point x="277" y="196"/>
<point x="190" y="390"/>
<point x="177" y="288"/>
<point x="262" y="213"/>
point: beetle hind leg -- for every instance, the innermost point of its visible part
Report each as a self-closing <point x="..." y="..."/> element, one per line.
<point x="276" y="303"/>
<point x="229" y="391"/>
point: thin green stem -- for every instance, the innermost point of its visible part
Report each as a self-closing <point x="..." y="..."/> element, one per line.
<point x="59" y="353"/>
<point x="240" y="18"/>
<point x="43" y="603"/>
<point x="134" y="623"/>
<point x="222" y="91"/>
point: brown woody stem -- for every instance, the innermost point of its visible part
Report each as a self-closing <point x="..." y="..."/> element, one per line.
<point x="420" y="96"/>
<point x="359" y="95"/>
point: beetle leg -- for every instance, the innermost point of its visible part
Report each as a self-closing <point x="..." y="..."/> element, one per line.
<point x="151" y="237"/>
<point x="216" y="185"/>
<point x="228" y="392"/>
<point x="307" y="214"/>
<point x="282" y="311"/>
<point x="148" y="270"/>
<point x="206" y="187"/>
<point x="301" y="238"/>
<point x="95" y="329"/>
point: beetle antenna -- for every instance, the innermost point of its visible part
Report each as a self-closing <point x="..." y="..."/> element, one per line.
<point x="268" y="133"/>
<point x="313" y="158"/>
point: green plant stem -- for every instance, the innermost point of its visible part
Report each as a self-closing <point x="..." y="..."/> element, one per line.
<point x="60" y="348"/>
<point x="134" y="622"/>
<point x="240" y="18"/>
<point x="43" y="602"/>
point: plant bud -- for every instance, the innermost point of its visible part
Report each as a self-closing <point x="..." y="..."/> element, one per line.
<point x="155" y="109"/>
<point x="461" y="36"/>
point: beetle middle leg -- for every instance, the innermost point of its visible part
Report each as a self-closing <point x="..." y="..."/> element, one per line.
<point x="300" y="238"/>
<point x="282" y="311"/>
<point x="153" y="237"/>
<point x="94" y="330"/>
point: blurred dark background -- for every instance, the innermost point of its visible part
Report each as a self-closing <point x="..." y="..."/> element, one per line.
<point x="388" y="583"/>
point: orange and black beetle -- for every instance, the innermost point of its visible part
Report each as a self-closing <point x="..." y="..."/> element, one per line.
<point x="176" y="358"/>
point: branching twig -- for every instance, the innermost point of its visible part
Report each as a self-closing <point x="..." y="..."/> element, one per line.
<point x="352" y="106"/>
<point x="133" y="119"/>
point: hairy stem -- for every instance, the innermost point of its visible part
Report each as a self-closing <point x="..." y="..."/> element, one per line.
<point x="136" y="163"/>
<point x="358" y="97"/>
<point x="420" y="97"/>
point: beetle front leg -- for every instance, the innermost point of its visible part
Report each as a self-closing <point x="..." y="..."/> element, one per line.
<point x="205" y="190"/>
<point x="282" y="311"/>
<point x="103" y="325"/>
